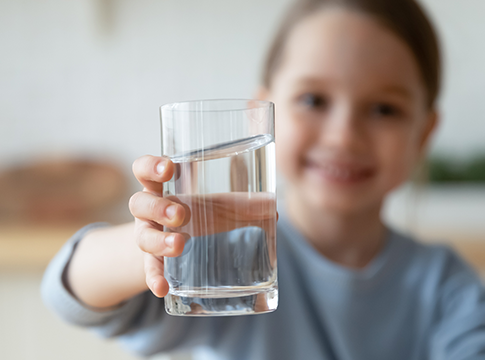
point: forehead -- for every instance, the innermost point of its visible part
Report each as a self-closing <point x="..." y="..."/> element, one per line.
<point x="351" y="49"/>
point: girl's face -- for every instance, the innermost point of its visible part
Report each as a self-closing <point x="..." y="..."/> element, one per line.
<point x="351" y="112"/>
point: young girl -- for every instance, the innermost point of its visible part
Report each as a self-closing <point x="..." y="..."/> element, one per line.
<point x="355" y="85"/>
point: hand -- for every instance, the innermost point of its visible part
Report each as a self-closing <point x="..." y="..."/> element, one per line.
<point x="152" y="212"/>
<point x="188" y="215"/>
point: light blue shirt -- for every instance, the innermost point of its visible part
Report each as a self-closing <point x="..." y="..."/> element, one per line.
<point x="412" y="302"/>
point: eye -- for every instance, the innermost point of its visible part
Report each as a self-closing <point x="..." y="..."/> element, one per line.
<point x="313" y="101"/>
<point x="385" y="110"/>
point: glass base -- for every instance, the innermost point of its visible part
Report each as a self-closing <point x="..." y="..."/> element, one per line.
<point x="226" y="304"/>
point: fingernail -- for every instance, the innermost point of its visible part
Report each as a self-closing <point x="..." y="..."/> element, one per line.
<point x="171" y="211"/>
<point x="169" y="240"/>
<point x="160" y="167"/>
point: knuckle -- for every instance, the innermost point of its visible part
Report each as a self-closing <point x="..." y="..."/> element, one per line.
<point x="150" y="241"/>
<point x="151" y="269"/>
<point x="133" y="202"/>
<point x="134" y="166"/>
<point x="141" y="164"/>
<point x="153" y="207"/>
<point x="139" y="232"/>
<point x="138" y="164"/>
<point x="158" y="244"/>
<point x="148" y="276"/>
<point x="147" y="264"/>
<point x="141" y="243"/>
<point x="151" y="162"/>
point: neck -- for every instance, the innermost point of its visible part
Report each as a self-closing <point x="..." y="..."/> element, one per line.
<point x="350" y="239"/>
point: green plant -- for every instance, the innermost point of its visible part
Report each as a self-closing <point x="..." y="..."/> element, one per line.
<point x="442" y="169"/>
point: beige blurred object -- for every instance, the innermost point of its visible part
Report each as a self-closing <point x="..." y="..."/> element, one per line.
<point x="30" y="247"/>
<point x="60" y="191"/>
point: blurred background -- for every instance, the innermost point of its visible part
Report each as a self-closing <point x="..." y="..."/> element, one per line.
<point x="81" y="82"/>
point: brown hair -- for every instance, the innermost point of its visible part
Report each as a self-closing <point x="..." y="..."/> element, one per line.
<point x="404" y="17"/>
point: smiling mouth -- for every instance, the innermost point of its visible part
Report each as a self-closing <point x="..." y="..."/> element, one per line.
<point x="340" y="173"/>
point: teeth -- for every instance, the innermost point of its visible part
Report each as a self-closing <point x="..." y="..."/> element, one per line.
<point x="339" y="173"/>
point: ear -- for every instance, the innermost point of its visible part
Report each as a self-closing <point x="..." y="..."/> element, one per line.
<point x="262" y="93"/>
<point x="432" y="122"/>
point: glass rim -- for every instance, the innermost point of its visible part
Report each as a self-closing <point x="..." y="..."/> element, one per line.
<point x="171" y="106"/>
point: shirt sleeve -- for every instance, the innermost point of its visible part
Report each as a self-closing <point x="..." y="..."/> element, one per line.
<point x="460" y="333"/>
<point x="140" y="324"/>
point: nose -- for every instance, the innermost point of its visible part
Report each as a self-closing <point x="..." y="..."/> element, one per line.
<point x="342" y="131"/>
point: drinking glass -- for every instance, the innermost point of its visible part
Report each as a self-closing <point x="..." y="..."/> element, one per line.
<point x="224" y="158"/>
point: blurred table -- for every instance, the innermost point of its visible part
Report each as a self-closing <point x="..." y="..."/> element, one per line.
<point x="31" y="247"/>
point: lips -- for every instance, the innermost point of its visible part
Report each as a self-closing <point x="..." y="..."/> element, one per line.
<point x="340" y="172"/>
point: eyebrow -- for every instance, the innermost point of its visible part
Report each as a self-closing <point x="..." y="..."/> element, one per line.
<point x="397" y="90"/>
<point x="312" y="81"/>
<point x="390" y="89"/>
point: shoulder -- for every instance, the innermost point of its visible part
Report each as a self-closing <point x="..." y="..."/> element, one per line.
<point x="434" y="257"/>
<point x="441" y="273"/>
<point x="453" y="295"/>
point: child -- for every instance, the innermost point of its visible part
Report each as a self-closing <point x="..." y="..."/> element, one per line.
<point x="355" y="85"/>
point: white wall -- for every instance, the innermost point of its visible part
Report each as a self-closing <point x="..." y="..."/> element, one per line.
<point x="462" y="31"/>
<point x="71" y="82"/>
<point x="88" y="76"/>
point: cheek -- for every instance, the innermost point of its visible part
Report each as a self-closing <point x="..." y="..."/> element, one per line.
<point x="398" y="156"/>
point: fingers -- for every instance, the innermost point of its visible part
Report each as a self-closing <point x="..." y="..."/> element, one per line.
<point x="152" y="171"/>
<point x="146" y="206"/>
<point x="154" y="275"/>
<point x="149" y="208"/>
<point x="159" y="243"/>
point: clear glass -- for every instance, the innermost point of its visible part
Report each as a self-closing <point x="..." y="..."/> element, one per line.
<point x="225" y="177"/>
